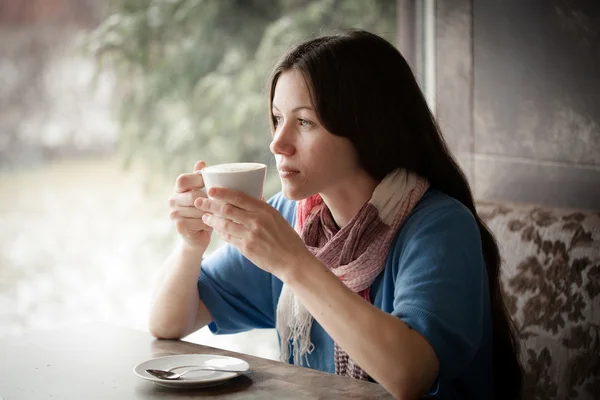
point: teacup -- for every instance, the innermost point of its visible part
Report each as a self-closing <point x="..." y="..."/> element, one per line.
<point x="245" y="177"/>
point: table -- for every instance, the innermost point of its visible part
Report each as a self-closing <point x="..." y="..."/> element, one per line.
<point x="95" y="361"/>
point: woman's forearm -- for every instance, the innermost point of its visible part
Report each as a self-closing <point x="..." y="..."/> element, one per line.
<point x="396" y="356"/>
<point x="177" y="309"/>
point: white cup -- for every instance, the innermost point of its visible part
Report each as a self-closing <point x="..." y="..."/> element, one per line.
<point x="245" y="177"/>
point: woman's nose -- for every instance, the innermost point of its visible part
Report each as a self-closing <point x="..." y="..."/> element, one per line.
<point x="281" y="143"/>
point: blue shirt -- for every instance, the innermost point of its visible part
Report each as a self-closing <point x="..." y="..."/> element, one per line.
<point x="434" y="280"/>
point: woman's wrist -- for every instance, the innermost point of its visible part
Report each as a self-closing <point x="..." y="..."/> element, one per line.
<point x="295" y="272"/>
<point x="190" y="253"/>
<point x="185" y="246"/>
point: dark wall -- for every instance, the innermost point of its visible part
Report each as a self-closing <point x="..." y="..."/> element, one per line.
<point x="454" y="79"/>
<point x="519" y="97"/>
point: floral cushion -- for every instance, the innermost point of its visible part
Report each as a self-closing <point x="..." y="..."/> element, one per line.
<point x="551" y="279"/>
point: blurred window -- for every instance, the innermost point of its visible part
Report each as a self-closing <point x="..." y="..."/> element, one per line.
<point x="101" y="107"/>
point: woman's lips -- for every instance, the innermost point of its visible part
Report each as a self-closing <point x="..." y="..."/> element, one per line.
<point x="287" y="172"/>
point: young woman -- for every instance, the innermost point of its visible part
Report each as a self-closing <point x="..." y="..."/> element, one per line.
<point x="372" y="261"/>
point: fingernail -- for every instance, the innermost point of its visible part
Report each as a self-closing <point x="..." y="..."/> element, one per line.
<point x="205" y="217"/>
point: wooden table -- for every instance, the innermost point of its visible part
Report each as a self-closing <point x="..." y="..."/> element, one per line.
<point x="96" y="361"/>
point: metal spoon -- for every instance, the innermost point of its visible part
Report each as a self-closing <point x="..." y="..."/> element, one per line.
<point x="170" y="375"/>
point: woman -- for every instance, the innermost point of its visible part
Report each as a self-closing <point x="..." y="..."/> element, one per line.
<point x="372" y="262"/>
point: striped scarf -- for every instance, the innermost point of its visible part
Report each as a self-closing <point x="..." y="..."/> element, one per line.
<point x="356" y="254"/>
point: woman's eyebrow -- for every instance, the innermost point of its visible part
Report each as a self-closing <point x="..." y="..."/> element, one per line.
<point x="297" y="108"/>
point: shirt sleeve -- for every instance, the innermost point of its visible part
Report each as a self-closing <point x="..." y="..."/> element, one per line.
<point x="239" y="295"/>
<point x="441" y="288"/>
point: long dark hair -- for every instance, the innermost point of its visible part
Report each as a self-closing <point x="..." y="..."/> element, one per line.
<point x="363" y="89"/>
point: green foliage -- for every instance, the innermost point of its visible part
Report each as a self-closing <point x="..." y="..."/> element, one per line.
<point x="192" y="74"/>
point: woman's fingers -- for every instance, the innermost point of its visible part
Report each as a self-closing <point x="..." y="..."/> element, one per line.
<point x="199" y="165"/>
<point x="190" y="181"/>
<point x="185" y="212"/>
<point x="187" y="182"/>
<point x="237" y="198"/>
<point x="224" y="226"/>
<point x="221" y="209"/>
<point x="186" y="199"/>
<point x="188" y="227"/>
<point x="187" y="218"/>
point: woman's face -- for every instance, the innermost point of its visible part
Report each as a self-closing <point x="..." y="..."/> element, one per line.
<point x="310" y="160"/>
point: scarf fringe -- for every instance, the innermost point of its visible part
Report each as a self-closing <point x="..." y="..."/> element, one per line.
<point x="294" y="323"/>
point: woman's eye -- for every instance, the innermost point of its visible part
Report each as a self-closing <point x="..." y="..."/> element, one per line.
<point x="305" y="123"/>
<point x="276" y="120"/>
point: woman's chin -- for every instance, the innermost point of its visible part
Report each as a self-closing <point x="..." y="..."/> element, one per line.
<point x="292" y="193"/>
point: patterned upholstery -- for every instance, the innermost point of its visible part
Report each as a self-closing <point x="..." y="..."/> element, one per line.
<point x="551" y="279"/>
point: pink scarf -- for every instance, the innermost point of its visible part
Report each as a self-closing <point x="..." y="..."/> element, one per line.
<point x="356" y="254"/>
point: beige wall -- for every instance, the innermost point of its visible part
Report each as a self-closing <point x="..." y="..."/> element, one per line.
<point x="518" y="97"/>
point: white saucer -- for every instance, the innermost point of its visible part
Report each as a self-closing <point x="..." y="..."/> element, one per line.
<point x="194" y="379"/>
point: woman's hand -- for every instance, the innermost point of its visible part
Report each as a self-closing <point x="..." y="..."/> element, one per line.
<point x="187" y="218"/>
<point x="256" y="229"/>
